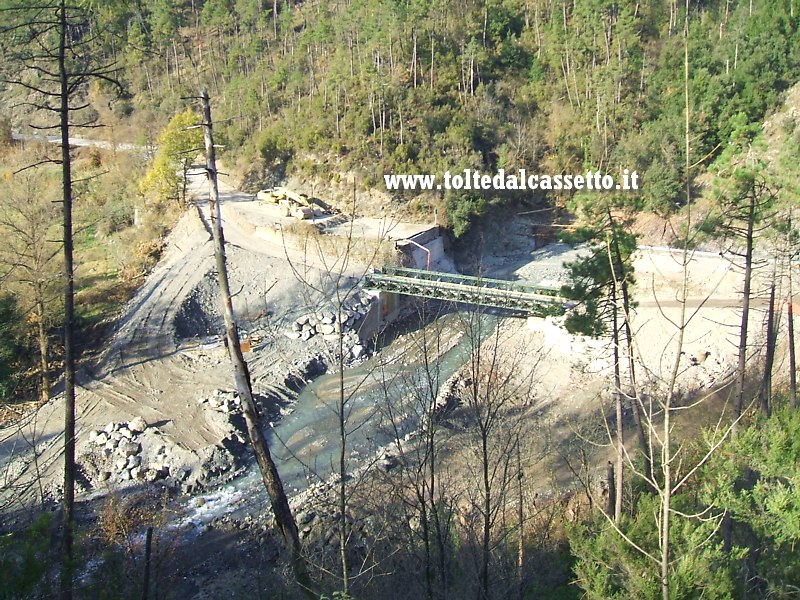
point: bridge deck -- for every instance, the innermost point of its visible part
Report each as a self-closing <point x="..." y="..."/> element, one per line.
<point x="499" y="293"/>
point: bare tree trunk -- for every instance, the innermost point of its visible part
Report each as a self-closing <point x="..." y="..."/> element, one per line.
<point x="521" y="526"/>
<point x="748" y="275"/>
<point x="44" y="350"/>
<point x="792" y="360"/>
<point x="622" y="275"/>
<point x="414" y="58"/>
<point x="439" y="530"/>
<point x="487" y="516"/>
<point x="433" y="46"/>
<point x="69" y="310"/>
<point x="619" y="479"/>
<point x="147" y="550"/>
<point x="765" y="393"/>
<point x="426" y="540"/>
<point x="666" y="514"/>
<point x="269" y="472"/>
<point x="666" y="446"/>
<point x="342" y="459"/>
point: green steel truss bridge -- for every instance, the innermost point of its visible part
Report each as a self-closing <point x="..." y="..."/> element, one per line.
<point x="498" y="293"/>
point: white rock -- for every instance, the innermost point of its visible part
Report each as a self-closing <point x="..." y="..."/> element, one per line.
<point x="110" y="427"/>
<point x="137" y="425"/>
<point x="135" y="472"/>
<point x="326" y="329"/>
<point x="101" y="438"/>
<point x="292" y="335"/>
<point x="357" y="351"/>
<point x="126" y="433"/>
<point x="120" y="463"/>
<point x="134" y="460"/>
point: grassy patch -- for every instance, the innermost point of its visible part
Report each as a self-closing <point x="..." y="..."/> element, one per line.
<point x="98" y="294"/>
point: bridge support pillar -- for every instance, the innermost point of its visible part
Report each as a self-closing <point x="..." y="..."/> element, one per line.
<point x="384" y="309"/>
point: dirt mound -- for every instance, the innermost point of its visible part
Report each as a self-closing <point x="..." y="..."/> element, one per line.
<point x="199" y="314"/>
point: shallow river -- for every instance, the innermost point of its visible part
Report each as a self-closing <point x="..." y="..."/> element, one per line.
<point x="305" y="443"/>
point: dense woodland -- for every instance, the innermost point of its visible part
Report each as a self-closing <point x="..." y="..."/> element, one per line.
<point x="378" y="87"/>
<point x="334" y="90"/>
<point x="423" y="87"/>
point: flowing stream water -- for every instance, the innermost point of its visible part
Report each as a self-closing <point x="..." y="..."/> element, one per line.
<point x="305" y="443"/>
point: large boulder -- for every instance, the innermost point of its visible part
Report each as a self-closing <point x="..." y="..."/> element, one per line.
<point x="137" y="425"/>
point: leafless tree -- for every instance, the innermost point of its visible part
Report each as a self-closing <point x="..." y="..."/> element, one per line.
<point x="674" y="471"/>
<point x="497" y="389"/>
<point x="331" y="270"/>
<point x="269" y="472"/>
<point x="415" y="419"/>
<point x="51" y="51"/>
<point x="28" y="217"/>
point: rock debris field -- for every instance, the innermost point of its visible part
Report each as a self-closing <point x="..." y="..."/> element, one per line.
<point x="159" y="406"/>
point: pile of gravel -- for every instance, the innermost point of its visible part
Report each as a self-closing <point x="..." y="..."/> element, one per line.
<point x="120" y="446"/>
<point x="331" y="324"/>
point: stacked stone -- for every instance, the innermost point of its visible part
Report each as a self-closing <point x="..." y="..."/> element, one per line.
<point x="120" y="445"/>
<point x="224" y="401"/>
<point x="329" y="325"/>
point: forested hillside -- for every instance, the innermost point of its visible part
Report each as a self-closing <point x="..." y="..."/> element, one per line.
<point x="372" y="87"/>
<point x="634" y="436"/>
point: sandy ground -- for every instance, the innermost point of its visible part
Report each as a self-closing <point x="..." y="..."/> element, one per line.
<point x="156" y="369"/>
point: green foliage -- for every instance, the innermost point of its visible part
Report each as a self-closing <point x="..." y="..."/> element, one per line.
<point x="463" y="209"/>
<point x="24" y="562"/>
<point x="608" y="567"/>
<point x="178" y="145"/>
<point x="596" y="277"/>
<point x="426" y="87"/>
<point x="757" y="478"/>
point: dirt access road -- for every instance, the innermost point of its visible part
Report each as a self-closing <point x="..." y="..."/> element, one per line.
<point x="146" y="370"/>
